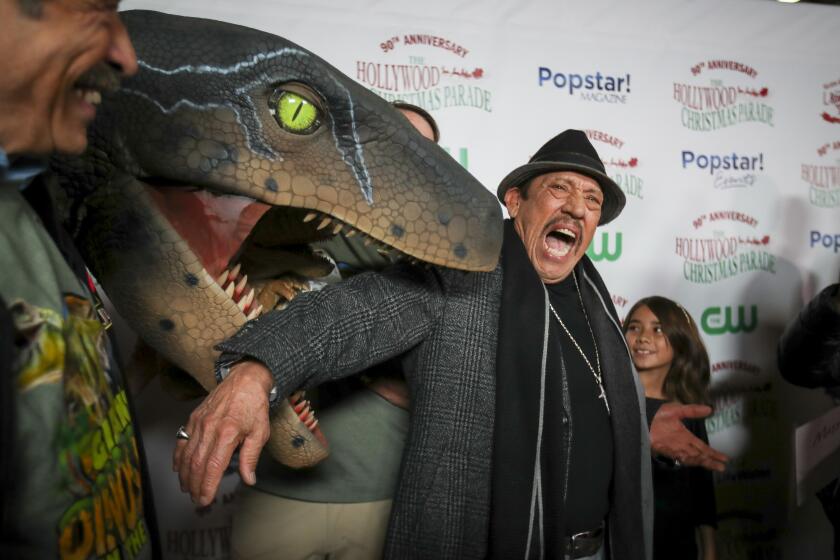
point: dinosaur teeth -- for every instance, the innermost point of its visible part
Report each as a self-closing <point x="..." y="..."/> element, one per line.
<point x="255" y="312"/>
<point x="368" y="241"/>
<point x="246" y="301"/>
<point x="240" y="286"/>
<point x="229" y="290"/>
<point x="350" y="232"/>
<point x="313" y="425"/>
<point x="337" y="228"/>
<point x="295" y="397"/>
<point x="235" y="272"/>
<point x="324" y="223"/>
<point x="309" y="217"/>
<point x="223" y="278"/>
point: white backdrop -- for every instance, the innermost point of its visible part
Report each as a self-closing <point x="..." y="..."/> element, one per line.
<point x="720" y="119"/>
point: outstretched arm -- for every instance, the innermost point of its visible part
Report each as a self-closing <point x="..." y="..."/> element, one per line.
<point x="320" y="336"/>
<point x="670" y="437"/>
<point x="234" y="414"/>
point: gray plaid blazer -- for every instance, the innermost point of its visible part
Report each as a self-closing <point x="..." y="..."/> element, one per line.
<point x="444" y="325"/>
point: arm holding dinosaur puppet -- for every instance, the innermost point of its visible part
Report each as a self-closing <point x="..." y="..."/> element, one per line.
<point x="333" y="333"/>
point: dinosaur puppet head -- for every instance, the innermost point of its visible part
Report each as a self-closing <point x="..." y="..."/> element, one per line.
<point x="227" y="154"/>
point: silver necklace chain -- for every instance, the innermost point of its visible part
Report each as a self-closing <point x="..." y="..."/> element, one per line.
<point x="595" y="373"/>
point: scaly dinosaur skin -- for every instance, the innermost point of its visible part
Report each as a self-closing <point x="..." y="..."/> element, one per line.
<point x="194" y="129"/>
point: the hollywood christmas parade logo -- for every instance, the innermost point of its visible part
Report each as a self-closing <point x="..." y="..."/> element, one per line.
<point x="822" y="175"/>
<point x="430" y="71"/>
<point x="721" y="94"/>
<point x="740" y="391"/>
<point x="831" y="102"/>
<point x="621" y="162"/>
<point x="724" y="244"/>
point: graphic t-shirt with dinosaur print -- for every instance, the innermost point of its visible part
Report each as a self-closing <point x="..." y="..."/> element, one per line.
<point x="79" y="489"/>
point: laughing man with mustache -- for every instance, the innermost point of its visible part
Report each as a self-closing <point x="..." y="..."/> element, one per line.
<point x="71" y="465"/>
<point x="527" y="437"/>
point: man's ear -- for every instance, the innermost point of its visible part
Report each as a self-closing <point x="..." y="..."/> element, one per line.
<point x="512" y="198"/>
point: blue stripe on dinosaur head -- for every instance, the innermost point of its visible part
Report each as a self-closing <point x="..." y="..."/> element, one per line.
<point x="170" y="99"/>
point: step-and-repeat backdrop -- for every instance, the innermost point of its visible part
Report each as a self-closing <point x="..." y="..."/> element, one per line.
<point x="719" y="119"/>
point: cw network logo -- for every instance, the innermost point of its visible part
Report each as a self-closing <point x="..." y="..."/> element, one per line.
<point x="717" y="320"/>
<point x="604" y="253"/>
<point x="463" y="156"/>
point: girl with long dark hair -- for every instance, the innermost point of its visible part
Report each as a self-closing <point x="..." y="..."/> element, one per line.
<point x="673" y="366"/>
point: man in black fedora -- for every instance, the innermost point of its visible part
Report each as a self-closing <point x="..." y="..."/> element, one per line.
<point x="527" y="437"/>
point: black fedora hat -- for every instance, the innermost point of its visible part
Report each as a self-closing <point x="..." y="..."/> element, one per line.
<point x="569" y="151"/>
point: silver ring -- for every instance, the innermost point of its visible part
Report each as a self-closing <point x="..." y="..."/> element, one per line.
<point x="182" y="434"/>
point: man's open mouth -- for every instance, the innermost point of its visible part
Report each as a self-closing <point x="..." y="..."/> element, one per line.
<point x="561" y="240"/>
<point x="96" y="81"/>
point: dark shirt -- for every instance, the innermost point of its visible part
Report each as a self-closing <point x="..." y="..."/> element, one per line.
<point x="684" y="499"/>
<point x="586" y="500"/>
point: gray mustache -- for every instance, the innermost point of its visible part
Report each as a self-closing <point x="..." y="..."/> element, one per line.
<point x="102" y="77"/>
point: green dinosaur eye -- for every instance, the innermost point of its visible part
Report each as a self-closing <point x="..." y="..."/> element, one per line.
<point x="295" y="113"/>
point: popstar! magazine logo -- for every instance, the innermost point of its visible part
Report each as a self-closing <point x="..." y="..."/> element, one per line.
<point x="727" y="243"/>
<point x="593" y="86"/>
<point x="822" y="176"/>
<point x="722" y="94"/>
<point x="622" y="164"/>
<point x="427" y="70"/>
<point x="831" y="102"/>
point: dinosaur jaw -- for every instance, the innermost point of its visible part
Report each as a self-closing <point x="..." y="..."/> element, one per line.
<point x="258" y="254"/>
<point x="213" y="226"/>
<point x="259" y="259"/>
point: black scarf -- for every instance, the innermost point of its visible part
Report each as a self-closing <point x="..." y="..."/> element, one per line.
<point x="519" y="349"/>
<point x="518" y="365"/>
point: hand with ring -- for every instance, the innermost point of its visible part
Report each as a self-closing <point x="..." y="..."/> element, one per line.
<point x="234" y="414"/>
<point x="670" y="437"/>
<point x="182" y="434"/>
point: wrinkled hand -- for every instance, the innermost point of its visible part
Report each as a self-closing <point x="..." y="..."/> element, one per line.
<point x="670" y="437"/>
<point x="235" y="413"/>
